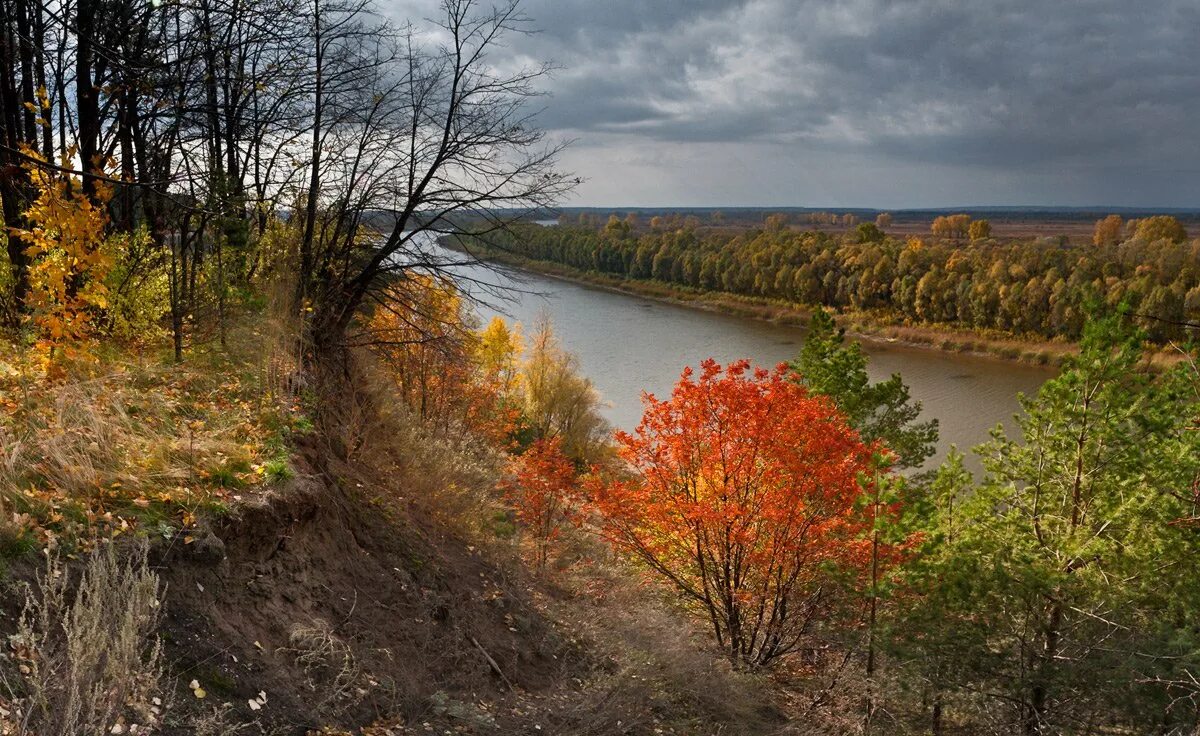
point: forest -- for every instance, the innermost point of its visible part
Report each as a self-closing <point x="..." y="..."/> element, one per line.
<point x="264" y="469"/>
<point x="957" y="275"/>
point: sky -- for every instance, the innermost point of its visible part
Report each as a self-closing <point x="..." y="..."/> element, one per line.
<point x="869" y="103"/>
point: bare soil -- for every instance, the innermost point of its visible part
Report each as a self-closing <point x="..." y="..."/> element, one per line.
<point x="343" y="613"/>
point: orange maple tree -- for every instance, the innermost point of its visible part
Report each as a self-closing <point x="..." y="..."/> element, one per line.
<point x="747" y="494"/>
<point x="542" y="483"/>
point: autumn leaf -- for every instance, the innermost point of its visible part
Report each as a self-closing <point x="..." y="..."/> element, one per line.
<point x="542" y="483"/>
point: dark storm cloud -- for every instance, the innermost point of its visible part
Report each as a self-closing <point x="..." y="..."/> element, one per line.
<point x="1070" y="89"/>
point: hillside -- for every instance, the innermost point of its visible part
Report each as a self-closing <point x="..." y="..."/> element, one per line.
<point x="266" y="469"/>
<point x="304" y="587"/>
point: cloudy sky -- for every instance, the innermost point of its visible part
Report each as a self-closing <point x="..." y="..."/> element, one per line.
<point x="875" y="103"/>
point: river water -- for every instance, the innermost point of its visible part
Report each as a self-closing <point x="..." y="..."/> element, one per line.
<point x="629" y="344"/>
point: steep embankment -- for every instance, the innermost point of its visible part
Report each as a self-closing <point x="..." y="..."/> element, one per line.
<point x="360" y="576"/>
<point x="348" y="613"/>
<point x="343" y="611"/>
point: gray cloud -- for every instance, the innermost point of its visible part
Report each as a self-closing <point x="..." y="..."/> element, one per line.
<point x="904" y="102"/>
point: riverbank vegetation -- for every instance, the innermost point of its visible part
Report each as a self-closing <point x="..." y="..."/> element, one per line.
<point x="957" y="278"/>
<point x="1047" y="596"/>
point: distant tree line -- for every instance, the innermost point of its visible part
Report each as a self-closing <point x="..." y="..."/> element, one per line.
<point x="1038" y="287"/>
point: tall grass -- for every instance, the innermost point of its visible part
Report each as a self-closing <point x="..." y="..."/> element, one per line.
<point x="126" y="440"/>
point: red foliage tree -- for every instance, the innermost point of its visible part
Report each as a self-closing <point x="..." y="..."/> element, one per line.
<point x="543" y="481"/>
<point x="751" y="497"/>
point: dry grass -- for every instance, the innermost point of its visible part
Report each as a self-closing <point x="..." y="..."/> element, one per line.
<point x="450" y="476"/>
<point x="635" y="660"/>
<point x="128" y="443"/>
<point x="641" y="663"/>
<point x="656" y="670"/>
<point x="87" y="660"/>
<point x="220" y="721"/>
<point x="329" y="665"/>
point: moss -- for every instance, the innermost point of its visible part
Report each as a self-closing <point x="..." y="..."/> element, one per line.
<point x="217" y="682"/>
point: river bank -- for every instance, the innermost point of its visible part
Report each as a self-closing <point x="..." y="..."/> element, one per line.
<point x="860" y="325"/>
<point x="872" y="327"/>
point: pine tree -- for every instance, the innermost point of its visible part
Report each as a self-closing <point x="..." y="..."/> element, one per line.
<point x="1059" y="585"/>
<point x="883" y="411"/>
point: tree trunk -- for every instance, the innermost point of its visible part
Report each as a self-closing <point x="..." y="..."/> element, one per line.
<point x="176" y="283"/>
<point x="314" y="177"/>
<point x="1039" y="694"/>
<point x="87" y="98"/>
<point x="14" y="181"/>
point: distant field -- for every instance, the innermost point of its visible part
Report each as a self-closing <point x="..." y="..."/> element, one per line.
<point x="1007" y="223"/>
<point x="1074" y="230"/>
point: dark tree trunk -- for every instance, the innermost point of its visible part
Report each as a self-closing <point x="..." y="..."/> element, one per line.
<point x="87" y="96"/>
<point x="14" y="180"/>
<point x="314" y="180"/>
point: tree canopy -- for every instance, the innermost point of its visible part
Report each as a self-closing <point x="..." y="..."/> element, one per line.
<point x="745" y="495"/>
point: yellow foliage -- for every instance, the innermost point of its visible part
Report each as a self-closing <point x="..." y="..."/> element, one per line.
<point x="138" y="289"/>
<point x="277" y="244"/>
<point x="1161" y="227"/>
<point x="1108" y="230"/>
<point x="559" y="400"/>
<point x="422" y="329"/>
<point x="499" y="354"/>
<point x="951" y="226"/>
<point x="980" y="230"/>
<point x="133" y="444"/>
<point x="68" y="266"/>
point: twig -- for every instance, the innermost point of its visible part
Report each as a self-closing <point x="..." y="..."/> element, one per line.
<point x="491" y="662"/>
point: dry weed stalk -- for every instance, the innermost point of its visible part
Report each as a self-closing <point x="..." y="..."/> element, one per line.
<point x="328" y="663"/>
<point x="88" y="658"/>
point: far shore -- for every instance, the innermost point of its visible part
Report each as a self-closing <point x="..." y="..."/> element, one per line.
<point x="862" y="326"/>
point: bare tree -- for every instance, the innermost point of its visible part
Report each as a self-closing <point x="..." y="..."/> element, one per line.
<point x="208" y="118"/>
<point x="430" y="136"/>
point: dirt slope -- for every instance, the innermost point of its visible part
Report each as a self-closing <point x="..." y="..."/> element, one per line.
<point x="340" y="612"/>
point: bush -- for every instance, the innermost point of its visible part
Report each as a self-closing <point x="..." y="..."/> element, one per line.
<point x="88" y="658"/>
<point x="139" y="293"/>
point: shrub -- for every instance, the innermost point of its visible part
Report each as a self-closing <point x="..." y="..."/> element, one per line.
<point x="540" y="490"/>
<point x="328" y="662"/>
<point x="88" y="657"/>
<point x="746" y="498"/>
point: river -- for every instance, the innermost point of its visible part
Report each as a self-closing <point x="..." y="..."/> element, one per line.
<point x="629" y="344"/>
